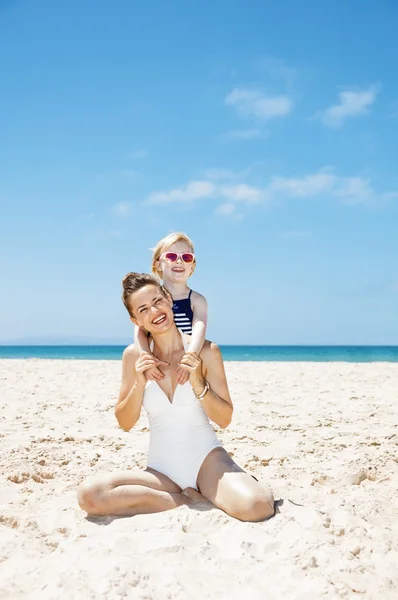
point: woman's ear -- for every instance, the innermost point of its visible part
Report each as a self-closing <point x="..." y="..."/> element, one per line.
<point x="134" y="320"/>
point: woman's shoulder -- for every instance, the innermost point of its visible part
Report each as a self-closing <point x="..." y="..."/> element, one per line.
<point x="131" y="353"/>
<point x="210" y="350"/>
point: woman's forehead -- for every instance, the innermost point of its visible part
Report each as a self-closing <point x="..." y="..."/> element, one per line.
<point x="145" y="294"/>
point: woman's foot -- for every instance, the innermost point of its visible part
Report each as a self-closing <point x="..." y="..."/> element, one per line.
<point x="192" y="496"/>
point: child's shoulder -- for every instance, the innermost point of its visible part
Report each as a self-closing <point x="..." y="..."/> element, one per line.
<point x="197" y="298"/>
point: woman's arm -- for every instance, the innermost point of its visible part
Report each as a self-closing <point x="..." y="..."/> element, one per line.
<point x="141" y="342"/>
<point x="128" y="407"/>
<point x="208" y="370"/>
<point x="132" y="387"/>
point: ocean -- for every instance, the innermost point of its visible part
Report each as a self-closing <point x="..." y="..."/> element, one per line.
<point x="230" y="353"/>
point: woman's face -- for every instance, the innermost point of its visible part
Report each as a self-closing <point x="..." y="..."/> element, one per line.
<point x="178" y="271"/>
<point x="151" y="309"/>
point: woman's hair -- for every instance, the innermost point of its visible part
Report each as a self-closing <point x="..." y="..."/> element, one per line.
<point x="164" y="244"/>
<point x="132" y="282"/>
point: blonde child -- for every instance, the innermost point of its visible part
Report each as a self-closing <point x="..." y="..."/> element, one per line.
<point x="173" y="261"/>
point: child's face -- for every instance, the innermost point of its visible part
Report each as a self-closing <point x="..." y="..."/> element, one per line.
<point x="179" y="271"/>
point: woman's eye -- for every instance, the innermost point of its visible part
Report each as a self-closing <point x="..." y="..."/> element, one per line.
<point x="143" y="310"/>
<point x="158" y="301"/>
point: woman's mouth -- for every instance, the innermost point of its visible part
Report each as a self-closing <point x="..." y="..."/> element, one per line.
<point x="159" y="320"/>
<point x="178" y="270"/>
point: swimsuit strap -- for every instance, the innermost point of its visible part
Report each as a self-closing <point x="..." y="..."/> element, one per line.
<point x="189" y="296"/>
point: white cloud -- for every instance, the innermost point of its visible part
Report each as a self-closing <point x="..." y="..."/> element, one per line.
<point x="326" y="183"/>
<point x="242" y="193"/>
<point x="138" y="154"/>
<point x="351" y="103"/>
<point x="229" y="193"/>
<point x="242" y="134"/>
<point x="228" y="208"/>
<point x="254" y="103"/>
<point x="122" y="209"/>
<point x="309" y="185"/>
<point x="194" y="190"/>
<point x="354" y="189"/>
<point x="277" y="69"/>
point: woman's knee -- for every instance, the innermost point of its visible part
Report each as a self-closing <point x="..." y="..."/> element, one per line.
<point x="89" y="497"/>
<point x="252" y="506"/>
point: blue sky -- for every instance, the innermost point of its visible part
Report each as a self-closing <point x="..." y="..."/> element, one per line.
<point x="267" y="131"/>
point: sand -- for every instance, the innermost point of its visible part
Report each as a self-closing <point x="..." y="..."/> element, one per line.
<point x="323" y="435"/>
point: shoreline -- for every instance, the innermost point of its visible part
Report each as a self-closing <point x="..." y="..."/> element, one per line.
<point x="96" y="361"/>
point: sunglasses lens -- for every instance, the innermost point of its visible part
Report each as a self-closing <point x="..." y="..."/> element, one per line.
<point x="187" y="257"/>
<point x="171" y="256"/>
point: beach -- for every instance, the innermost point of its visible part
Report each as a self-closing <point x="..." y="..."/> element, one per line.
<point x="323" y="435"/>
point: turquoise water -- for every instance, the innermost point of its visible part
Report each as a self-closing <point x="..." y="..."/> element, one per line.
<point x="239" y="353"/>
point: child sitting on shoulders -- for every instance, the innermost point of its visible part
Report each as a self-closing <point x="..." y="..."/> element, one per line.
<point x="174" y="261"/>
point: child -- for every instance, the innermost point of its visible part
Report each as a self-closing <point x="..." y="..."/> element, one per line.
<point x="174" y="262"/>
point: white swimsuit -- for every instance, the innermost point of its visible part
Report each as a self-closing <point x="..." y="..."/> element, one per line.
<point x="181" y="435"/>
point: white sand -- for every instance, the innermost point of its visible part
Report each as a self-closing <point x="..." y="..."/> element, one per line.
<point x="324" y="436"/>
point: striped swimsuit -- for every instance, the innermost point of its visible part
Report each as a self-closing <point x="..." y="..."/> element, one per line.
<point x="183" y="315"/>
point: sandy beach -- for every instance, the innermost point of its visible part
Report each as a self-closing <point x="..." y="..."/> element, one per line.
<point x="323" y="435"/>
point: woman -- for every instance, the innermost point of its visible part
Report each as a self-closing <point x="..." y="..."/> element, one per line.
<point x="185" y="457"/>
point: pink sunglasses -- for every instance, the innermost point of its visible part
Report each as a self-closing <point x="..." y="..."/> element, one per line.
<point x="186" y="257"/>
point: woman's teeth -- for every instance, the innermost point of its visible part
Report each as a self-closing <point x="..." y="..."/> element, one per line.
<point x="159" y="320"/>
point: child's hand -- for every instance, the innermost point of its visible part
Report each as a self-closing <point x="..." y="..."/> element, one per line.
<point x="182" y="374"/>
<point x="154" y="373"/>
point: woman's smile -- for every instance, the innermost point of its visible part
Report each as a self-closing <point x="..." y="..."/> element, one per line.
<point x="159" y="319"/>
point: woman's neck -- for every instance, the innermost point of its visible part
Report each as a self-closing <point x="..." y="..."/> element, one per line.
<point x="168" y="342"/>
<point x="177" y="290"/>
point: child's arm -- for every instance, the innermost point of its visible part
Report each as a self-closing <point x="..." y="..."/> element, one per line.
<point x="141" y="340"/>
<point x="142" y="344"/>
<point x="199" y="323"/>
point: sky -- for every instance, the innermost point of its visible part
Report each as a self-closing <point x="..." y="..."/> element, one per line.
<point x="265" y="130"/>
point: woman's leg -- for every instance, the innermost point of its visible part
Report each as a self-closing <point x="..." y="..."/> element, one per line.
<point x="228" y="487"/>
<point x="130" y="493"/>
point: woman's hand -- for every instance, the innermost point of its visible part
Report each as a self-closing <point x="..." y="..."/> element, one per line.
<point x="147" y="367"/>
<point x="192" y="364"/>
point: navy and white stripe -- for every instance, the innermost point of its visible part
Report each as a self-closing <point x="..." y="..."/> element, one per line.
<point x="183" y="315"/>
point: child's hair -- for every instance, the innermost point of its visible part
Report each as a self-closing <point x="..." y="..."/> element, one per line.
<point x="132" y="282"/>
<point x="164" y="244"/>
